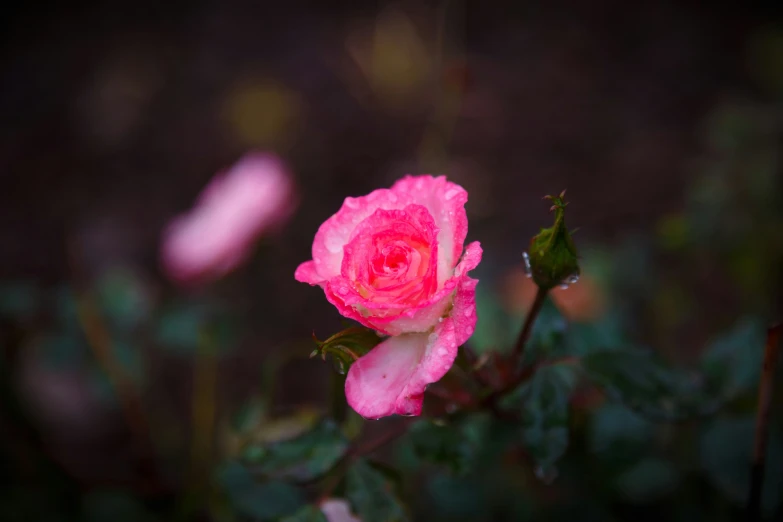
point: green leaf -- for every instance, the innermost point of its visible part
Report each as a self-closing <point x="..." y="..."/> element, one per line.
<point x="181" y="328"/>
<point x="303" y="458"/>
<point x="306" y="514"/>
<point x="124" y="298"/>
<point x="648" y="481"/>
<point x="346" y="346"/>
<point x="732" y="363"/>
<point x="639" y="381"/>
<point x="615" y="428"/>
<point x="371" y="494"/>
<point x="725" y="451"/>
<point x="19" y="299"/>
<point x="602" y="335"/>
<point x="453" y="445"/>
<point x="544" y="404"/>
<point x="264" y="500"/>
<point x="548" y="334"/>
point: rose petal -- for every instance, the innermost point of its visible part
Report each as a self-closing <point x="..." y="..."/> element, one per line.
<point x="392" y="377"/>
<point x="446" y="202"/>
<point x="387" y="319"/>
<point x="338" y="510"/>
<point x="237" y="206"/>
<point x="336" y="231"/>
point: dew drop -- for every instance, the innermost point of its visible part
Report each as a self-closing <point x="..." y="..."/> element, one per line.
<point x="442" y="351"/>
<point x="451" y="193"/>
<point x="469" y="310"/>
<point x="569" y="280"/>
<point x="351" y="203"/>
<point x="528" y="270"/>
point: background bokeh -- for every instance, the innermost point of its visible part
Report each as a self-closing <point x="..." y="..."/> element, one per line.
<point x="664" y="120"/>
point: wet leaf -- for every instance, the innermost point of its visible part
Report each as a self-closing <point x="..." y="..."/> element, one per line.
<point x="648" y="480"/>
<point x="615" y="428"/>
<point x="732" y="363"/>
<point x="303" y="458"/>
<point x="259" y="500"/>
<point x="455" y="446"/>
<point x="372" y="495"/>
<point x="725" y="451"/>
<point x="543" y="402"/>
<point x="306" y="514"/>
<point x="642" y="383"/>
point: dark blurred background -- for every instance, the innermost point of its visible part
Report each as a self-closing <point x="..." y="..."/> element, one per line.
<point x="662" y="119"/>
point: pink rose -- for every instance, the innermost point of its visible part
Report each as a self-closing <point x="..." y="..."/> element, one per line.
<point x="234" y="209"/>
<point x="393" y="261"/>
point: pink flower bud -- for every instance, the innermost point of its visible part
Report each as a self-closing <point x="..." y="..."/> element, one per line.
<point x="234" y="209"/>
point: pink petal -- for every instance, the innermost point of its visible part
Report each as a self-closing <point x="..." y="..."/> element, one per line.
<point x="307" y="273"/>
<point x="391" y="379"/>
<point x="338" y="510"/>
<point x="446" y="202"/>
<point x="464" y="311"/>
<point x="336" y="231"/>
<point x="236" y="207"/>
<point x="421" y="318"/>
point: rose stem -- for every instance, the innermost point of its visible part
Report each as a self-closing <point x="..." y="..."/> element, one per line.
<point x="527" y="328"/>
<point x="762" y="421"/>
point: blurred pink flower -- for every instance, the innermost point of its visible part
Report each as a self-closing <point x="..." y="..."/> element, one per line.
<point x="254" y="196"/>
<point x="338" y="510"/>
<point x="393" y="260"/>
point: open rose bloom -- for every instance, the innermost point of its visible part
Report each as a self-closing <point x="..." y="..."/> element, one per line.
<point x="394" y="261"/>
<point x="237" y="206"/>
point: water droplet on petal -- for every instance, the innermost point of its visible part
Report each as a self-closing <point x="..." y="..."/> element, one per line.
<point x="442" y="351"/>
<point x="528" y="270"/>
<point x="469" y="310"/>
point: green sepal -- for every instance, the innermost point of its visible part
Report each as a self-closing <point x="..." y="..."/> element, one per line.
<point x="553" y="257"/>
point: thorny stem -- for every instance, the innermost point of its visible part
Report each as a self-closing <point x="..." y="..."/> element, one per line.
<point x="527" y="328"/>
<point x="771" y="352"/>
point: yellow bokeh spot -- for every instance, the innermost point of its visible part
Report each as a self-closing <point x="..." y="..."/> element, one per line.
<point x="262" y="113"/>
